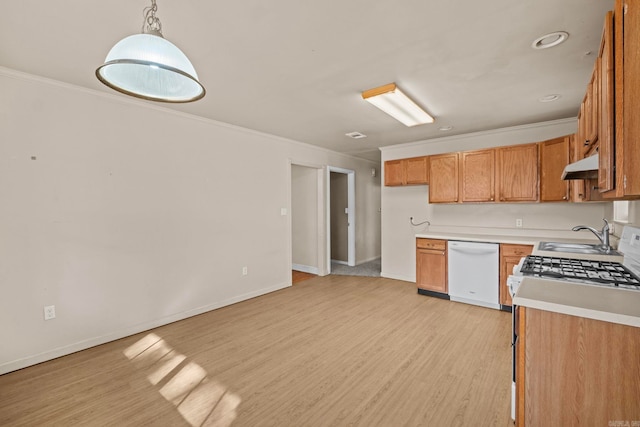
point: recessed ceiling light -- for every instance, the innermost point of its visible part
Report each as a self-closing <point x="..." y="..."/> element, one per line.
<point x="550" y="40"/>
<point x="445" y="128"/>
<point x="549" y="98"/>
<point x="356" y="135"/>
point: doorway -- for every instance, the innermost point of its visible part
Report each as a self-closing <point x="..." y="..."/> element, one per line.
<point x="341" y="246"/>
<point x="339" y="210"/>
<point x="306" y="218"/>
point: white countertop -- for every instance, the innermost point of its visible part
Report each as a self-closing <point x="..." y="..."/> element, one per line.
<point x="527" y="237"/>
<point x="489" y="238"/>
<point x="604" y="303"/>
<point x="523" y="240"/>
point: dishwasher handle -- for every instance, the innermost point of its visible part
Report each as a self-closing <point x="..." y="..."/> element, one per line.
<point x="471" y="250"/>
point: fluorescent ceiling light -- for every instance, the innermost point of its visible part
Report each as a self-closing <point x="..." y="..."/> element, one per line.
<point x="392" y="101"/>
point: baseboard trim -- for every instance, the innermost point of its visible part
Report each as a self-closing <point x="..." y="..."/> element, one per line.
<point x="368" y="260"/>
<point x="305" y="268"/>
<point x="433" y="294"/>
<point x="14" y="365"/>
<point x="397" y="277"/>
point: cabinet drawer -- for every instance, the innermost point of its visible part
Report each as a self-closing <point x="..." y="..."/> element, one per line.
<point x="516" y="250"/>
<point x="440" y="245"/>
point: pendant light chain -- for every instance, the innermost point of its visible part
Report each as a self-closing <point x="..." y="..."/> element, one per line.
<point x="151" y="22"/>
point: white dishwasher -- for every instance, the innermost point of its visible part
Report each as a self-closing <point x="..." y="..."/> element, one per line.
<point x="473" y="273"/>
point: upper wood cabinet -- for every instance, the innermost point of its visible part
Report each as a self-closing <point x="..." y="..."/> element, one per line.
<point x="443" y="178"/>
<point x="417" y="171"/>
<point x="554" y="156"/>
<point x="591" y="111"/>
<point x="477" y="175"/>
<point x="412" y="171"/>
<point x="517" y="178"/>
<point x="605" y="63"/>
<point x="393" y="173"/>
<point x="626" y="16"/>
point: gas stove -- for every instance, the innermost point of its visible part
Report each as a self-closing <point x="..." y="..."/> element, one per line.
<point x="624" y="275"/>
<point x="594" y="272"/>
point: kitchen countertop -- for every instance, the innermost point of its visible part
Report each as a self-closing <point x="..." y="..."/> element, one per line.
<point x="604" y="303"/>
<point x="490" y="238"/>
<point x="523" y="240"/>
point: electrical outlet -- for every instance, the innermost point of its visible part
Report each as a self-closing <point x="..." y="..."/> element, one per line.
<point x="49" y="312"/>
<point x="245" y="271"/>
<point x="519" y="222"/>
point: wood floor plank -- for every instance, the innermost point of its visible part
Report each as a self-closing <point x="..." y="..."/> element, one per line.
<point x="334" y="350"/>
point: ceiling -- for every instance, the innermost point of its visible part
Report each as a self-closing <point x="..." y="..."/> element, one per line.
<point x="296" y="69"/>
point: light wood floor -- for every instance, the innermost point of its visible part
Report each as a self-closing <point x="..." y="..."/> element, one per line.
<point x="300" y="276"/>
<point x="334" y="350"/>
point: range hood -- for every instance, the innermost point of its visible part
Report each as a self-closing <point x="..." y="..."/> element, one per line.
<point x="586" y="168"/>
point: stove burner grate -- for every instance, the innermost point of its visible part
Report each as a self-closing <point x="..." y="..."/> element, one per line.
<point x="604" y="272"/>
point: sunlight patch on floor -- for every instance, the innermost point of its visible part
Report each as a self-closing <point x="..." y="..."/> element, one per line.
<point x="200" y="400"/>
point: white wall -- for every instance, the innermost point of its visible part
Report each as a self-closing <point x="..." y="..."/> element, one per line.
<point x="126" y="215"/>
<point x="634" y="213"/>
<point x="401" y="203"/>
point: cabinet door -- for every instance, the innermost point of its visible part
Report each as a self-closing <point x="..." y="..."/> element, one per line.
<point x="627" y="86"/>
<point x="518" y="173"/>
<point x="477" y="170"/>
<point x="393" y="173"/>
<point x="554" y="156"/>
<point x="606" y="119"/>
<point x="510" y="256"/>
<point x="592" y="363"/>
<point x="431" y="270"/>
<point x="594" y="107"/>
<point x="416" y="171"/>
<point x="443" y="178"/>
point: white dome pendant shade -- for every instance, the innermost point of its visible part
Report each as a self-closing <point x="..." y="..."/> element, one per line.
<point x="150" y="67"/>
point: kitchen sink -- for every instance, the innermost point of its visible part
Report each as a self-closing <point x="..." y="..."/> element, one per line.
<point x="576" y="248"/>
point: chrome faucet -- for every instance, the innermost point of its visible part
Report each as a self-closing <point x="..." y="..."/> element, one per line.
<point x="603" y="235"/>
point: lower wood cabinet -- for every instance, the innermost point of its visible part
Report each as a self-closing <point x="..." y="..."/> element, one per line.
<point x="510" y="256"/>
<point x="431" y="265"/>
<point x="574" y="371"/>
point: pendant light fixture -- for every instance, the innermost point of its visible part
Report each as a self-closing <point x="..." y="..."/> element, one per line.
<point x="150" y="67"/>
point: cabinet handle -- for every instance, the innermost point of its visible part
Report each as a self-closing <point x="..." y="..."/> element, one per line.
<point x="586" y="142"/>
<point x="564" y="197"/>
